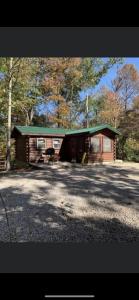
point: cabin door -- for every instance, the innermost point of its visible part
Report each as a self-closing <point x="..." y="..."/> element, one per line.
<point x="80" y="149"/>
<point x="73" y="146"/>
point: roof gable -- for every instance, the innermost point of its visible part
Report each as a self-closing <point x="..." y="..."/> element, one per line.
<point x="93" y="129"/>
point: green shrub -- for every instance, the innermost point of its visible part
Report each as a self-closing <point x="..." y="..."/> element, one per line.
<point x="131" y="149"/>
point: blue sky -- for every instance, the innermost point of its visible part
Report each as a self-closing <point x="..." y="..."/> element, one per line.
<point x="106" y="80"/>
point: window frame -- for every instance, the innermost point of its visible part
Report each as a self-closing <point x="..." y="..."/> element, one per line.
<point x="56" y="139"/>
<point x="103" y="138"/>
<point x="38" y="143"/>
<point x="95" y="137"/>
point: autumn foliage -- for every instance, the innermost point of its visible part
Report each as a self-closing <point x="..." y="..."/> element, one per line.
<point x="112" y="108"/>
<point x="47" y="92"/>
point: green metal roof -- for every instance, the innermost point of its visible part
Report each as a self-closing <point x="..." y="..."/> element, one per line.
<point x="32" y="130"/>
<point x="93" y="129"/>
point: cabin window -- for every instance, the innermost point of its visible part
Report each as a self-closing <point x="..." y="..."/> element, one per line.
<point x="56" y="143"/>
<point x="41" y="143"/>
<point x="95" y="144"/>
<point x="107" y="144"/>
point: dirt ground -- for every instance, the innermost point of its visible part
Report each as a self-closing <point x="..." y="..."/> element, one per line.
<point x="63" y="203"/>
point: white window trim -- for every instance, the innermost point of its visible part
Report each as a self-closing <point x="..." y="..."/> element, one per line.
<point x="38" y="143"/>
<point x="59" y="142"/>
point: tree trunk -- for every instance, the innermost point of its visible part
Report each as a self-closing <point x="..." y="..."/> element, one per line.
<point x="70" y="119"/>
<point x="87" y="121"/>
<point x="31" y="115"/>
<point x="115" y="123"/>
<point x="58" y="114"/>
<point x="8" y="156"/>
<point x="26" y="121"/>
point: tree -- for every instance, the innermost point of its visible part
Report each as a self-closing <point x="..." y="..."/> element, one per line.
<point x="104" y="107"/>
<point x="95" y="103"/>
<point x="59" y="74"/>
<point x="8" y="156"/>
<point x="128" y="144"/>
<point x="65" y="78"/>
<point x="133" y="125"/>
<point x="18" y="77"/>
<point x="111" y="109"/>
<point x="26" y="92"/>
<point x="126" y="84"/>
<point x="25" y="89"/>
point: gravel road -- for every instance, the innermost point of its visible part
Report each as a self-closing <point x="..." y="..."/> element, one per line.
<point x="71" y="204"/>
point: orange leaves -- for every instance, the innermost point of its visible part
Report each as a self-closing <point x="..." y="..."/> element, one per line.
<point x="126" y="84"/>
<point x="59" y="65"/>
<point x="129" y="71"/>
<point x="56" y="98"/>
<point x="112" y="108"/>
<point x="63" y="109"/>
<point x="61" y="115"/>
<point x="136" y="103"/>
<point x="127" y="75"/>
<point x="61" y="77"/>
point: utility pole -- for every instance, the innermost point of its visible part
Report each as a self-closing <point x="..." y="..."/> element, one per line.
<point x="8" y="156"/>
<point x="70" y="113"/>
<point x="87" y="121"/>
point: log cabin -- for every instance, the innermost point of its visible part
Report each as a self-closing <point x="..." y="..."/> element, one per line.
<point x="35" y="144"/>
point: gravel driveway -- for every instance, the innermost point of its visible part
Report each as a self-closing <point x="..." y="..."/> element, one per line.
<point x="76" y="204"/>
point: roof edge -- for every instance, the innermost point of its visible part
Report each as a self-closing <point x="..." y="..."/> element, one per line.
<point x="109" y="127"/>
<point x="67" y="131"/>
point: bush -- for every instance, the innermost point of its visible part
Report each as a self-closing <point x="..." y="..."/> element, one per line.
<point x="120" y="153"/>
<point x="127" y="149"/>
<point x="131" y="150"/>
